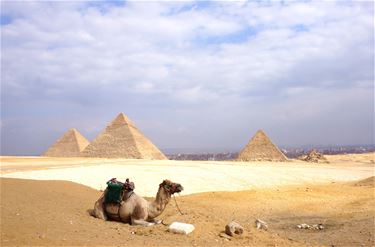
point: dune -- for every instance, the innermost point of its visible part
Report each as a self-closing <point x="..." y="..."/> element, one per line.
<point x="47" y="201"/>
<point x="58" y="213"/>
<point x="366" y="182"/>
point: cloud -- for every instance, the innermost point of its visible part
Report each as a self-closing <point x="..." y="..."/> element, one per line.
<point x="176" y="62"/>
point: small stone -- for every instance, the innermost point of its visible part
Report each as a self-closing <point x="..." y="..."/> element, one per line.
<point x="314" y="227"/>
<point x="41" y="236"/>
<point x="233" y="229"/>
<point x="305" y="226"/>
<point x="260" y="224"/>
<point x="181" y="228"/>
<point x="317" y="227"/>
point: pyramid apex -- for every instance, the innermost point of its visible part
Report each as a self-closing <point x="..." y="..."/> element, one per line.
<point x="121" y="114"/>
<point x="122" y="119"/>
<point x="73" y="131"/>
<point x="261" y="133"/>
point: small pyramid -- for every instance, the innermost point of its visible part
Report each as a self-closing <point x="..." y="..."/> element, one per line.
<point x="315" y="157"/>
<point x="69" y="145"/>
<point x="122" y="139"/>
<point x="261" y="148"/>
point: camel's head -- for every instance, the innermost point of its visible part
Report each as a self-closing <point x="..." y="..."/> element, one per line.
<point x="171" y="187"/>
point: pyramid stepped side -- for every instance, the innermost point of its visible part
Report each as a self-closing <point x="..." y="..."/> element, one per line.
<point x="122" y="139"/>
<point x="261" y="148"/>
<point x="147" y="149"/>
<point x="69" y="145"/>
<point x="113" y="142"/>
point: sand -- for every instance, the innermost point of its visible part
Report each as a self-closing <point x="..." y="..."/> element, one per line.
<point x="57" y="212"/>
<point x="196" y="176"/>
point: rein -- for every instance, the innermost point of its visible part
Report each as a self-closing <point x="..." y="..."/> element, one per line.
<point x="179" y="210"/>
<point x="168" y="188"/>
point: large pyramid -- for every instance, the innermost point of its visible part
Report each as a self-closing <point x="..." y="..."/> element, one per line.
<point x="261" y="148"/>
<point x="122" y="139"/>
<point x="69" y="145"/>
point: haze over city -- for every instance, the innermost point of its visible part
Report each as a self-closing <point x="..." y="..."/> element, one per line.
<point x="203" y="75"/>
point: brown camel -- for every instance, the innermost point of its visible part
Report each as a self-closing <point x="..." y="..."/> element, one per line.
<point x="134" y="209"/>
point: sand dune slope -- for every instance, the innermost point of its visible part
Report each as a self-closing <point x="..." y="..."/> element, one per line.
<point x="56" y="213"/>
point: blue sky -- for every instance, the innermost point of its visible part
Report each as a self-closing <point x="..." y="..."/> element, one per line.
<point x="202" y="75"/>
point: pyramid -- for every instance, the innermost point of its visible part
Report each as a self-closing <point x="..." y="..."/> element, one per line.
<point x="69" y="145"/>
<point x="122" y="139"/>
<point x="314" y="157"/>
<point x="261" y="148"/>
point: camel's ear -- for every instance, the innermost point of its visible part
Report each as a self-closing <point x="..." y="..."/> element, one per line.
<point x="166" y="181"/>
<point x="162" y="184"/>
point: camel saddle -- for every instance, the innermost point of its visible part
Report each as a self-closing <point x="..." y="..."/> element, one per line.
<point x="116" y="189"/>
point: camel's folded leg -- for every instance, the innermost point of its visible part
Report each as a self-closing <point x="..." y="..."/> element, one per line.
<point x="99" y="209"/>
<point x="156" y="221"/>
<point x="141" y="222"/>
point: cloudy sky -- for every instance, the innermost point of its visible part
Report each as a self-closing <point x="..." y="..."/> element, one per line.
<point x="202" y="75"/>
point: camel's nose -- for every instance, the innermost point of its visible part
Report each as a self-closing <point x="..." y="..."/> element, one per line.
<point x="179" y="188"/>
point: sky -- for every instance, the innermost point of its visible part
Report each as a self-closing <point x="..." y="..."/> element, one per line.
<point x="190" y="74"/>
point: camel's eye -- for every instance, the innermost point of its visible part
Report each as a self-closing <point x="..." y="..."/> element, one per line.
<point x="167" y="187"/>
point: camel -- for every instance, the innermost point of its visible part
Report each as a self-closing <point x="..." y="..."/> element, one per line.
<point x="134" y="209"/>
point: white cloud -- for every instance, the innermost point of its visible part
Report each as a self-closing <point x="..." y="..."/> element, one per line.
<point x="169" y="55"/>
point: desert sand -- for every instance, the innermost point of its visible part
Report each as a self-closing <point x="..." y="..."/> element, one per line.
<point x="339" y="195"/>
<point x="196" y="176"/>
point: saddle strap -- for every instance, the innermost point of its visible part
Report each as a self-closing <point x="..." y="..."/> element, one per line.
<point x="117" y="215"/>
<point x="119" y="206"/>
